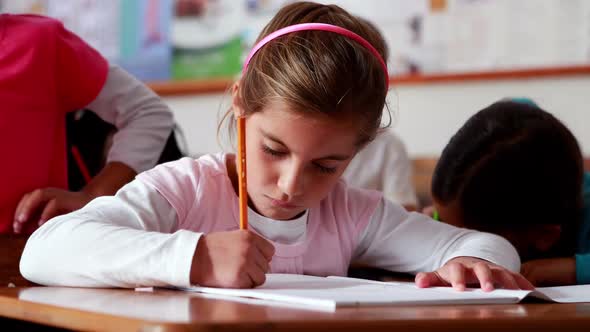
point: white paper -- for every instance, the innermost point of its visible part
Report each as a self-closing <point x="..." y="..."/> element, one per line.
<point x="472" y="35"/>
<point x="564" y="294"/>
<point x="331" y="292"/>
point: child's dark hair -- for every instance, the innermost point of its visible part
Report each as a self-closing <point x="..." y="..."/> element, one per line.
<point x="512" y="165"/>
<point x="319" y="71"/>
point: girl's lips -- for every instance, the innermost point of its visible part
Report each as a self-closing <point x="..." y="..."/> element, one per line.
<point x="282" y="204"/>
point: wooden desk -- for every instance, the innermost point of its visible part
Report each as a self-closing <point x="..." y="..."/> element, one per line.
<point x="11" y="247"/>
<point x="167" y="310"/>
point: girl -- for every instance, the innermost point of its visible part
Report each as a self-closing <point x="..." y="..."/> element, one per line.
<point x="45" y="72"/>
<point x="515" y="170"/>
<point x="312" y="99"/>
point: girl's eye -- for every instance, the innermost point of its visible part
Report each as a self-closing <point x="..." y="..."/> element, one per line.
<point x="278" y="154"/>
<point x="272" y="152"/>
<point x="327" y="170"/>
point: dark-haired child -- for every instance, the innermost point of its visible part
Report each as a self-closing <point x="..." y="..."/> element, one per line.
<point x="515" y="170"/>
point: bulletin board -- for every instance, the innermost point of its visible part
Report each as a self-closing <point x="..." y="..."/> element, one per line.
<point x="198" y="46"/>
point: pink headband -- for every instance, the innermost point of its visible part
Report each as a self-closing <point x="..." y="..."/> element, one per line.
<point x="321" y="27"/>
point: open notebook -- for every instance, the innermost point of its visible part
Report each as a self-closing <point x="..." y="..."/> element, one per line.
<point x="331" y="292"/>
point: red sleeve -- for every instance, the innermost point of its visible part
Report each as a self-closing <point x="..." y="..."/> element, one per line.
<point x="81" y="70"/>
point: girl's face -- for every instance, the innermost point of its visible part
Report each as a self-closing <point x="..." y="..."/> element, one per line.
<point x="294" y="159"/>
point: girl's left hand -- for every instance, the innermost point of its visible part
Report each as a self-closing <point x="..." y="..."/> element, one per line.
<point x="460" y="272"/>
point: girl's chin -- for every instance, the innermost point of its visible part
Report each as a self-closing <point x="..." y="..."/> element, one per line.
<point x="280" y="214"/>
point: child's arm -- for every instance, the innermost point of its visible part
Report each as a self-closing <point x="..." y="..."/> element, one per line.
<point x="142" y="119"/>
<point x="126" y="240"/>
<point x="412" y="242"/>
<point x="557" y="271"/>
<point x="132" y="239"/>
<point x="144" y="123"/>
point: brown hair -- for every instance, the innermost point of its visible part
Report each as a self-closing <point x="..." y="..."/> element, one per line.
<point x="318" y="71"/>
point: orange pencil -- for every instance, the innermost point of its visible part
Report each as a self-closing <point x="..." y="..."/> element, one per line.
<point x="242" y="187"/>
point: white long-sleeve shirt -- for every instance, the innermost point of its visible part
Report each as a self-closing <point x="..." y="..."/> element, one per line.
<point x="384" y="165"/>
<point x="142" y="119"/>
<point x="132" y="239"/>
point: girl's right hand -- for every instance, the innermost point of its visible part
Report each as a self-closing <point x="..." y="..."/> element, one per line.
<point x="235" y="259"/>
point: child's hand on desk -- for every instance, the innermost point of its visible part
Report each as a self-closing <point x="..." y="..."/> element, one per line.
<point x="551" y="271"/>
<point x="462" y="271"/>
<point x="43" y="204"/>
<point x="236" y="259"/>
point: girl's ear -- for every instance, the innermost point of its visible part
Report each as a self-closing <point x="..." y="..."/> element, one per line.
<point x="236" y="101"/>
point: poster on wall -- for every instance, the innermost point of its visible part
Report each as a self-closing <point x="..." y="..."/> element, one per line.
<point x="38" y="7"/>
<point x="95" y="21"/>
<point x="550" y="36"/>
<point x="401" y="24"/>
<point x="207" y="38"/>
<point x="134" y="34"/>
<point x="204" y="39"/>
<point x="472" y="35"/>
<point x="144" y="48"/>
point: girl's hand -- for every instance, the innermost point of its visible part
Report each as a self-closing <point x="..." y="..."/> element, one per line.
<point x="41" y="205"/>
<point x="236" y="259"/>
<point x="551" y="271"/>
<point x="462" y="271"/>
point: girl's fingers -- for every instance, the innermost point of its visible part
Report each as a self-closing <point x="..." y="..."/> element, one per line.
<point x="259" y="259"/>
<point x="457" y="276"/>
<point x="265" y="247"/>
<point x="505" y="279"/>
<point x="522" y="282"/>
<point x="256" y="275"/>
<point x="429" y="279"/>
<point x="484" y="276"/>
<point x="244" y="281"/>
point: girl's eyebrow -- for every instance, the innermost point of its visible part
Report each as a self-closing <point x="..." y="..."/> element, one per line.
<point x="337" y="157"/>
<point x="272" y="138"/>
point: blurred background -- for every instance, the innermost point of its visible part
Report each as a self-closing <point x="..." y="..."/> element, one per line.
<point x="449" y="58"/>
<point x="187" y="39"/>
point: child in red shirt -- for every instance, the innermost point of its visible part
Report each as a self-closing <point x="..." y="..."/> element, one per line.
<point x="45" y="72"/>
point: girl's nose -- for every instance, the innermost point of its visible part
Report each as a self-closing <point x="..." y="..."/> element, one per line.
<point x="291" y="180"/>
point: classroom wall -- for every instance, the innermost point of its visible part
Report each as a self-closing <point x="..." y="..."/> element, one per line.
<point x="426" y="115"/>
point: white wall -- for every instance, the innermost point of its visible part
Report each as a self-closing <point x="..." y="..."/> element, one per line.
<point x="426" y="115"/>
